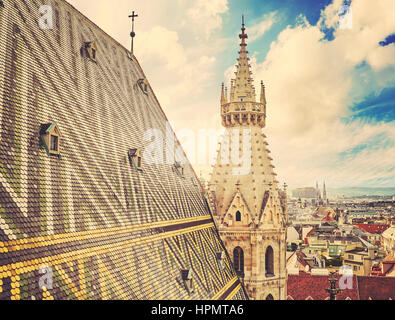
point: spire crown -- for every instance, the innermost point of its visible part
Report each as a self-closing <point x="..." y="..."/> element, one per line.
<point x="243" y="36"/>
<point x="242" y="108"/>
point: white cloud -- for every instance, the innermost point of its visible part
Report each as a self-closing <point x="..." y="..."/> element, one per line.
<point x="178" y="74"/>
<point x="308" y="81"/>
<point x="206" y="15"/>
<point x="308" y="85"/>
<point x="257" y="30"/>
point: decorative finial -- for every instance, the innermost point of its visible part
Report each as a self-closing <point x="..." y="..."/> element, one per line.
<point x="333" y="291"/>
<point x="243" y="36"/>
<point x="223" y="95"/>
<point x="133" y="34"/>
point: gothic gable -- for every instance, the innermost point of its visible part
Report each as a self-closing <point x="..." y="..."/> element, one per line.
<point x="238" y="213"/>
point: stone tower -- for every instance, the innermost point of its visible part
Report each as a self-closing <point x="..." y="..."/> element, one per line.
<point x="318" y="197"/>
<point x="249" y="208"/>
<point x="324" y="196"/>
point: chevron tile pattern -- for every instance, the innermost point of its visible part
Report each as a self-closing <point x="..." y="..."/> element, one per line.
<point x="87" y="224"/>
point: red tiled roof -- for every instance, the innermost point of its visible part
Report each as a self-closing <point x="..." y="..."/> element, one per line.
<point x="391" y="268"/>
<point x="329" y="217"/>
<point x="372" y="228"/>
<point x="304" y="285"/>
<point x="310" y="233"/>
<point x="300" y="256"/>
<point x="390" y="258"/>
<point x="376" y="288"/>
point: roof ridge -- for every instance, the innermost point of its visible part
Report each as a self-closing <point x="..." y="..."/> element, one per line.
<point x="66" y="3"/>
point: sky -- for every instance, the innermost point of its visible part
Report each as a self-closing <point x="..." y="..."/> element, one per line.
<point x="328" y="67"/>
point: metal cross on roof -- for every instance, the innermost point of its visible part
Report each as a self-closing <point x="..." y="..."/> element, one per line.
<point x="133" y="34"/>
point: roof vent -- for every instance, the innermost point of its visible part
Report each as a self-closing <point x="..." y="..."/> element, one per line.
<point x="136" y="158"/>
<point x="221" y="259"/>
<point x="179" y="168"/>
<point x="143" y="85"/>
<point x="50" y="138"/>
<point x="186" y="276"/>
<point x="91" y="50"/>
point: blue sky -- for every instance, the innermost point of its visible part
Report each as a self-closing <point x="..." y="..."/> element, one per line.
<point x="288" y="11"/>
<point x="330" y="86"/>
<point x="370" y="96"/>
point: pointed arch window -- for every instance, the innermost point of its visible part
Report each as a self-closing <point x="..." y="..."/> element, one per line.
<point x="269" y="297"/>
<point x="238" y="216"/>
<point x="238" y="260"/>
<point x="269" y="262"/>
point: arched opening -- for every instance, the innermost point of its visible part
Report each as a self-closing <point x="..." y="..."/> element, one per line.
<point x="269" y="262"/>
<point x="238" y="260"/>
<point x="238" y="216"/>
<point x="269" y="297"/>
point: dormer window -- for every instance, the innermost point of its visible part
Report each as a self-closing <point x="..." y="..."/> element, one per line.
<point x="143" y="85"/>
<point x="50" y="138"/>
<point x="179" y="168"/>
<point x="54" y="143"/>
<point x="221" y="259"/>
<point x="91" y="50"/>
<point x="136" y="158"/>
<point x="186" y="276"/>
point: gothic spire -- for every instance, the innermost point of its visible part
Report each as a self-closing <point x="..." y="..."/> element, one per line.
<point x="244" y="89"/>
<point x="263" y="94"/>
<point x="324" y="192"/>
<point x="223" y="95"/>
<point x="241" y="106"/>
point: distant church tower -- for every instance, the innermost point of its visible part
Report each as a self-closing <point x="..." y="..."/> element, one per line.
<point x="250" y="208"/>
<point x="318" y="195"/>
<point x="324" y="197"/>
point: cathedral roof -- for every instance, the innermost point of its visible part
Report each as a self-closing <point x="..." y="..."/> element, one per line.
<point x="104" y="228"/>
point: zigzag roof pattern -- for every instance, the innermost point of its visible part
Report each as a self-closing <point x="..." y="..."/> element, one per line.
<point x="88" y="220"/>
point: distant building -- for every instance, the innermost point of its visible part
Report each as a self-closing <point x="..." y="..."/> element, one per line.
<point x="372" y="231"/>
<point x="386" y="268"/>
<point x="292" y="234"/>
<point x="296" y="263"/>
<point x="336" y="250"/>
<point x="388" y="240"/>
<point x="360" y="260"/>
<point x="324" y="196"/>
<point x="307" y="193"/>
